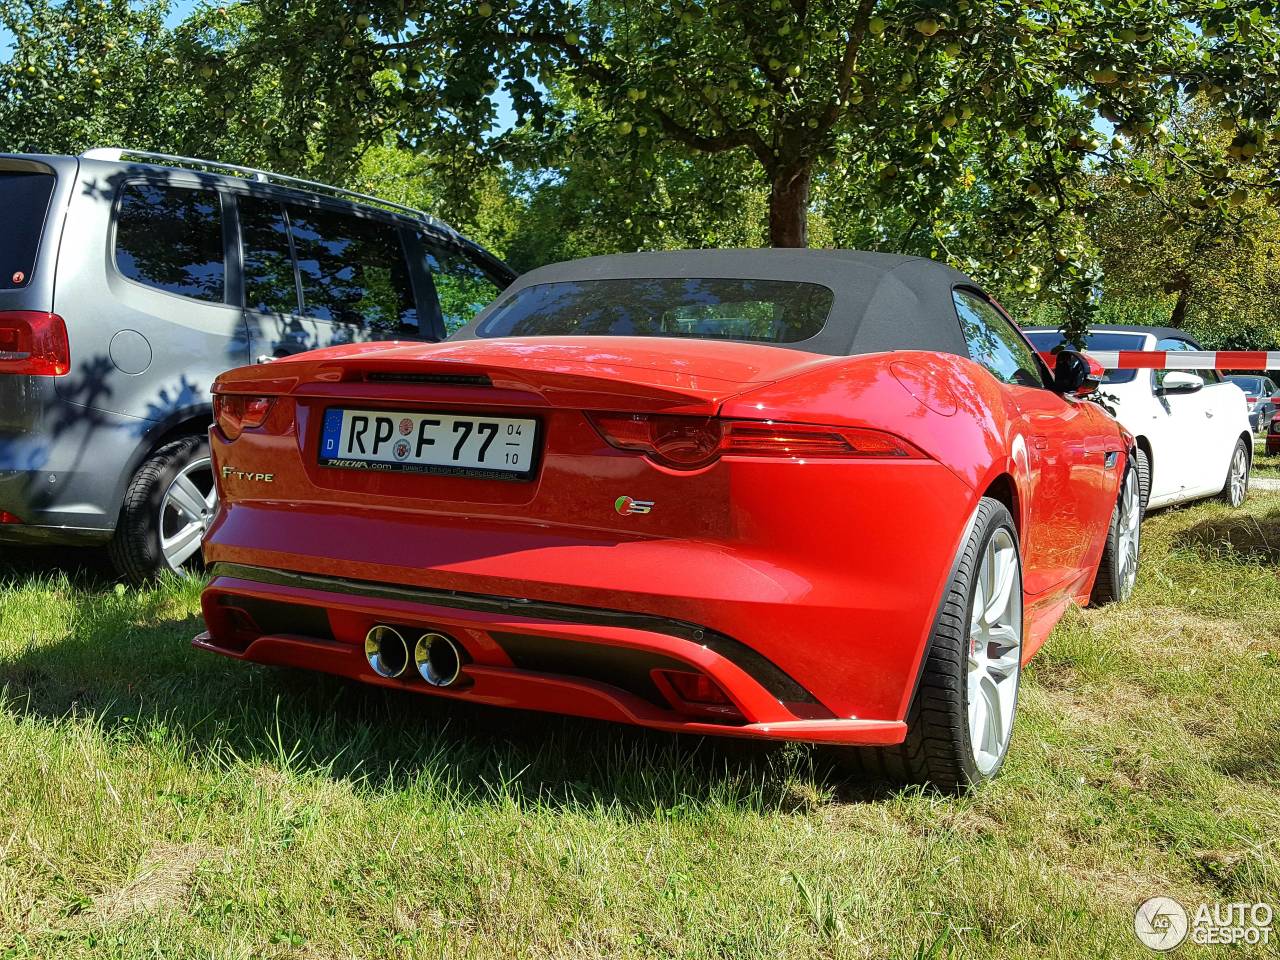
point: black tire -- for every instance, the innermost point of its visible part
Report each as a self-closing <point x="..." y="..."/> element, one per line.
<point x="937" y="750"/>
<point x="134" y="549"/>
<point x="1227" y="495"/>
<point x="1111" y="585"/>
<point x="1143" y="463"/>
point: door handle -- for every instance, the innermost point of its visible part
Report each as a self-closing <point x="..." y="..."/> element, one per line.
<point x="264" y="358"/>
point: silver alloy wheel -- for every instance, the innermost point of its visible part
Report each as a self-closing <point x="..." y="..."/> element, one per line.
<point x="1129" y="530"/>
<point x="995" y="651"/>
<point x="1239" y="478"/>
<point x="186" y="511"/>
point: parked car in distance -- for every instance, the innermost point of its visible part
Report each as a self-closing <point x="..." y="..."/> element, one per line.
<point x="1192" y="428"/>
<point x="1273" y="437"/>
<point x="1260" y="394"/>
<point x="129" y="281"/>
<point x="788" y="494"/>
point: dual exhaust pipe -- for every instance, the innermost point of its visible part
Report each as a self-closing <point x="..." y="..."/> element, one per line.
<point x="437" y="657"/>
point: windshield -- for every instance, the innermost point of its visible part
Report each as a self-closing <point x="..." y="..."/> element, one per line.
<point x="1047" y="340"/>
<point x="719" y="308"/>
<point x="1250" y="385"/>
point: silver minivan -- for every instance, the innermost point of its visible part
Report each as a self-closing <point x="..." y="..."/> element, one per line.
<point x="128" y="281"/>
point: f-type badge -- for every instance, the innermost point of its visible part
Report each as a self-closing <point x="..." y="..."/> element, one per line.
<point x="626" y="506"/>
<point x="246" y="475"/>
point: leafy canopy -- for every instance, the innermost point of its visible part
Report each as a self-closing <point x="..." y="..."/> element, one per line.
<point x="893" y="104"/>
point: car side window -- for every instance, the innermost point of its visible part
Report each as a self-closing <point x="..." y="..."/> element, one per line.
<point x="1175" y="345"/>
<point x="353" y="270"/>
<point x="170" y="238"/>
<point x="462" y="286"/>
<point x="269" y="283"/>
<point x="994" y="343"/>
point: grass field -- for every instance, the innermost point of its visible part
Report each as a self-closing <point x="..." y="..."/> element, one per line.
<point x="1266" y="466"/>
<point x="157" y="802"/>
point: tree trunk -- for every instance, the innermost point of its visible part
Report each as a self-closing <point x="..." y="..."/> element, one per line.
<point x="789" y="206"/>
<point x="1179" y="315"/>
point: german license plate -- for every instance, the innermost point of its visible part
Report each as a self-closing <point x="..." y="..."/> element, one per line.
<point x="453" y="443"/>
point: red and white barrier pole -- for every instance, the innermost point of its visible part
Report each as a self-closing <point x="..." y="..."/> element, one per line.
<point x="1259" y="360"/>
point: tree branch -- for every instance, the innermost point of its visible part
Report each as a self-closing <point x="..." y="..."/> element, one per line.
<point x="729" y="140"/>
<point x="844" y="76"/>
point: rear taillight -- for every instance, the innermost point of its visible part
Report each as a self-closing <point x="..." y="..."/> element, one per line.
<point x="236" y="413"/>
<point x="7" y="517"/>
<point x="689" y="443"/>
<point x="34" y="343"/>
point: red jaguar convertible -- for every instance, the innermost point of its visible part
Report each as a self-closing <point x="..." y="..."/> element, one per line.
<point x="805" y="495"/>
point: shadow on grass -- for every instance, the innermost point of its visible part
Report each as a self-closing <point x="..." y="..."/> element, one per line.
<point x="1241" y="536"/>
<point x="86" y="567"/>
<point x="126" y="665"/>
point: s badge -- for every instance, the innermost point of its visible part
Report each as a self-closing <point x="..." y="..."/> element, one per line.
<point x="626" y="506"/>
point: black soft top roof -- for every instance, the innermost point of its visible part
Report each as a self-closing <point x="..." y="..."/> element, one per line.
<point x="882" y="301"/>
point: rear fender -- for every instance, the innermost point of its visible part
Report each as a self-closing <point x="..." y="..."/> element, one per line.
<point x="190" y="421"/>
<point x="942" y="404"/>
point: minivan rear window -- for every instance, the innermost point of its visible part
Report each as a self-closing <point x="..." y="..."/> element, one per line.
<point x="24" y="198"/>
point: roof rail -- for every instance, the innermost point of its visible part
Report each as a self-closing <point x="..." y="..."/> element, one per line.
<point x="116" y="154"/>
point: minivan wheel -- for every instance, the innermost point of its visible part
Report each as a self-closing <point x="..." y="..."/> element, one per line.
<point x="170" y="503"/>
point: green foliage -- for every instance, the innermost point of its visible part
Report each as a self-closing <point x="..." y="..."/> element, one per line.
<point x="1211" y="268"/>
<point x="584" y="192"/>
<point x="883" y="109"/>
<point x="967" y="130"/>
<point x="86" y="74"/>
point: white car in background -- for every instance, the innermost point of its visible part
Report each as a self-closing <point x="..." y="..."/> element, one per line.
<point x="1192" y="427"/>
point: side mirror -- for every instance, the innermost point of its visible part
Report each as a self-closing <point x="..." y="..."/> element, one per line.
<point x="1076" y="375"/>
<point x="1179" y="381"/>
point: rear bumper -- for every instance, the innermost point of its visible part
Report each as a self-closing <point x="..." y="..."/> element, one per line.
<point x="32" y="535"/>
<point x="63" y="465"/>
<point x="536" y="656"/>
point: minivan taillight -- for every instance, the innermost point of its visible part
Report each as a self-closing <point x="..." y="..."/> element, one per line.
<point x="235" y="412"/>
<point x="34" y="343"/>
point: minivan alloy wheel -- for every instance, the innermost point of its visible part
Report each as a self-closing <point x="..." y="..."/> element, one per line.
<point x="186" y="510"/>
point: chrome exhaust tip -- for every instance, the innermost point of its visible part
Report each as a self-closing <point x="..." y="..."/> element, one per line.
<point x="439" y="659"/>
<point x="386" y="651"/>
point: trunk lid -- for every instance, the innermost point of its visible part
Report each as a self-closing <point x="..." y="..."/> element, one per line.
<point x="629" y="374"/>
<point x="578" y="476"/>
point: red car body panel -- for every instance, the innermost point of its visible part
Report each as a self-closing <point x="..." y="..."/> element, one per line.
<point x="821" y="578"/>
